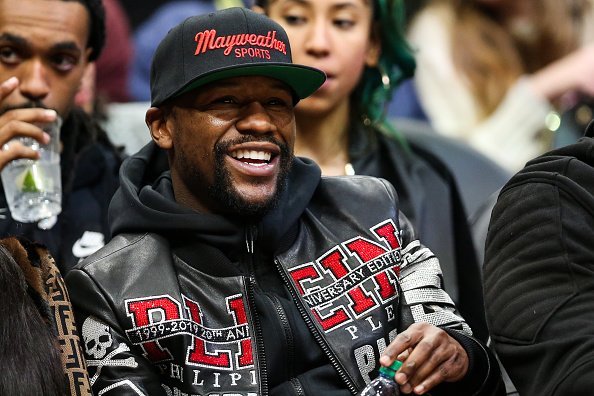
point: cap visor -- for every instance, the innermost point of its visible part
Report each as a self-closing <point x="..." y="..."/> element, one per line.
<point x="303" y="80"/>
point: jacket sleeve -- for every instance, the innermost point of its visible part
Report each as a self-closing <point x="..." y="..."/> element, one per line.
<point x="114" y="365"/>
<point x="422" y="285"/>
<point x="539" y="273"/>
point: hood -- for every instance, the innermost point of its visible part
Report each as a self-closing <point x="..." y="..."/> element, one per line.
<point x="144" y="202"/>
<point x="568" y="165"/>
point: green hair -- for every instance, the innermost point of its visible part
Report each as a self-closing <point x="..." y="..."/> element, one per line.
<point x="396" y="62"/>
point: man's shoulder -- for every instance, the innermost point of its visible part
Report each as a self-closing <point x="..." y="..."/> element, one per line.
<point x="565" y="167"/>
<point x="356" y="185"/>
<point x="129" y="264"/>
<point x="356" y="195"/>
<point x="124" y="249"/>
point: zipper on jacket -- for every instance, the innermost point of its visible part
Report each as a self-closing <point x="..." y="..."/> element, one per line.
<point x="297" y="387"/>
<point x="288" y="332"/>
<point x="342" y="373"/>
<point x="251" y="233"/>
<point x="258" y="336"/>
<point x="250" y="238"/>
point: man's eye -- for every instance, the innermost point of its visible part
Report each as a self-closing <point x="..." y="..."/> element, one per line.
<point x="64" y="63"/>
<point x="225" y="100"/>
<point x="9" y="55"/>
<point x="280" y="104"/>
<point x="277" y="102"/>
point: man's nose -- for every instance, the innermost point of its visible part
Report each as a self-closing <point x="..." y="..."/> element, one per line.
<point x="34" y="81"/>
<point x="255" y="119"/>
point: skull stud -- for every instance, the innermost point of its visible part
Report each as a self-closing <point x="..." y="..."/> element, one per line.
<point x="97" y="337"/>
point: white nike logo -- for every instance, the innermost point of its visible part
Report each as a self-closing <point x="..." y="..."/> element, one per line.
<point x="88" y="244"/>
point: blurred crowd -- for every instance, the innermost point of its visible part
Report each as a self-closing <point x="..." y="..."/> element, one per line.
<point x="509" y="78"/>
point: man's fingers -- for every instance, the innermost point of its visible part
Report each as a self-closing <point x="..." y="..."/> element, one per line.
<point x="8" y="86"/>
<point x="430" y="356"/>
<point x="31" y="115"/>
<point x="21" y="122"/>
<point x="448" y="371"/>
<point x="403" y="341"/>
<point x="435" y="347"/>
<point x="14" y="150"/>
<point x="17" y="128"/>
<point x="404" y="355"/>
<point x="428" y="364"/>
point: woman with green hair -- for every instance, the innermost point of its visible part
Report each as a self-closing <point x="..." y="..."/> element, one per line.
<point x="360" y="45"/>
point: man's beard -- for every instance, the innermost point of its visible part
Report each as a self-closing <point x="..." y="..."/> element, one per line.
<point x="222" y="190"/>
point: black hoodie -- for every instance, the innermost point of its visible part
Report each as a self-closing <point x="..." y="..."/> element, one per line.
<point x="145" y="203"/>
<point x="539" y="273"/>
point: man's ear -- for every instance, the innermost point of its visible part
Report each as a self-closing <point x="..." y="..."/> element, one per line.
<point x="375" y="47"/>
<point x="85" y="95"/>
<point x="156" y="120"/>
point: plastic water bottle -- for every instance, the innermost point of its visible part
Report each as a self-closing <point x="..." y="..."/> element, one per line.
<point x="384" y="384"/>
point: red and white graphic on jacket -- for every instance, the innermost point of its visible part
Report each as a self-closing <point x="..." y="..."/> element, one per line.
<point x="157" y="318"/>
<point x="339" y="289"/>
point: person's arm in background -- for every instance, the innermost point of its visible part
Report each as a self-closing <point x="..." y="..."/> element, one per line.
<point x="539" y="283"/>
<point x="509" y="135"/>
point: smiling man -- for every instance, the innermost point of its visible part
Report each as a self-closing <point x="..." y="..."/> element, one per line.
<point x="235" y="268"/>
<point x="235" y="167"/>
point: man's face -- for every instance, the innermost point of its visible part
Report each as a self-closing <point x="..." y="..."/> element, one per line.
<point x="232" y="145"/>
<point x="43" y="43"/>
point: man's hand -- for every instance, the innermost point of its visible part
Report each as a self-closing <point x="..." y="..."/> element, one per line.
<point x="429" y="355"/>
<point x="19" y="122"/>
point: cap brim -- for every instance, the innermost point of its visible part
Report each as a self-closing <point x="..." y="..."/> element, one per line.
<point x="303" y="80"/>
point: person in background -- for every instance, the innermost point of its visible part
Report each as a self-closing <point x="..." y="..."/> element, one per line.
<point x="539" y="271"/>
<point x="235" y="268"/>
<point x="45" y="48"/>
<point x="114" y="63"/>
<point x="492" y="72"/>
<point x="105" y="81"/>
<point x="152" y="30"/>
<point x="342" y="126"/>
<point x="40" y="348"/>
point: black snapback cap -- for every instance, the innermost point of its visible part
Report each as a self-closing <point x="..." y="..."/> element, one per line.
<point x="227" y="43"/>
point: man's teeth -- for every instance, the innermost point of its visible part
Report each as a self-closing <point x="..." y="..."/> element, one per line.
<point x="251" y="154"/>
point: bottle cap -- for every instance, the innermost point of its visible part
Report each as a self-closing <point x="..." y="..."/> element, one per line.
<point x="390" y="371"/>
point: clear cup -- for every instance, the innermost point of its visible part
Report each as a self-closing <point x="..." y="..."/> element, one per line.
<point x="33" y="188"/>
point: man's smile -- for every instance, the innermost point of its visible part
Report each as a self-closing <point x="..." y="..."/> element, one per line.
<point x="259" y="159"/>
<point x="252" y="157"/>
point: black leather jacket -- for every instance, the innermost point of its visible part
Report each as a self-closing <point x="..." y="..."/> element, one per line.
<point x="302" y="302"/>
<point x="428" y="195"/>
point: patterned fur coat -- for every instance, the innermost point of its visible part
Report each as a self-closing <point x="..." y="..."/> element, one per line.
<point x="33" y="285"/>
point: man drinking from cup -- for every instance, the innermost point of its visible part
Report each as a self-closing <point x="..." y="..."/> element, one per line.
<point x="45" y="48"/>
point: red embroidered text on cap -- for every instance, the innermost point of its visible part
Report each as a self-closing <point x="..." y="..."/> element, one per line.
<point x="208" y="40"/>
